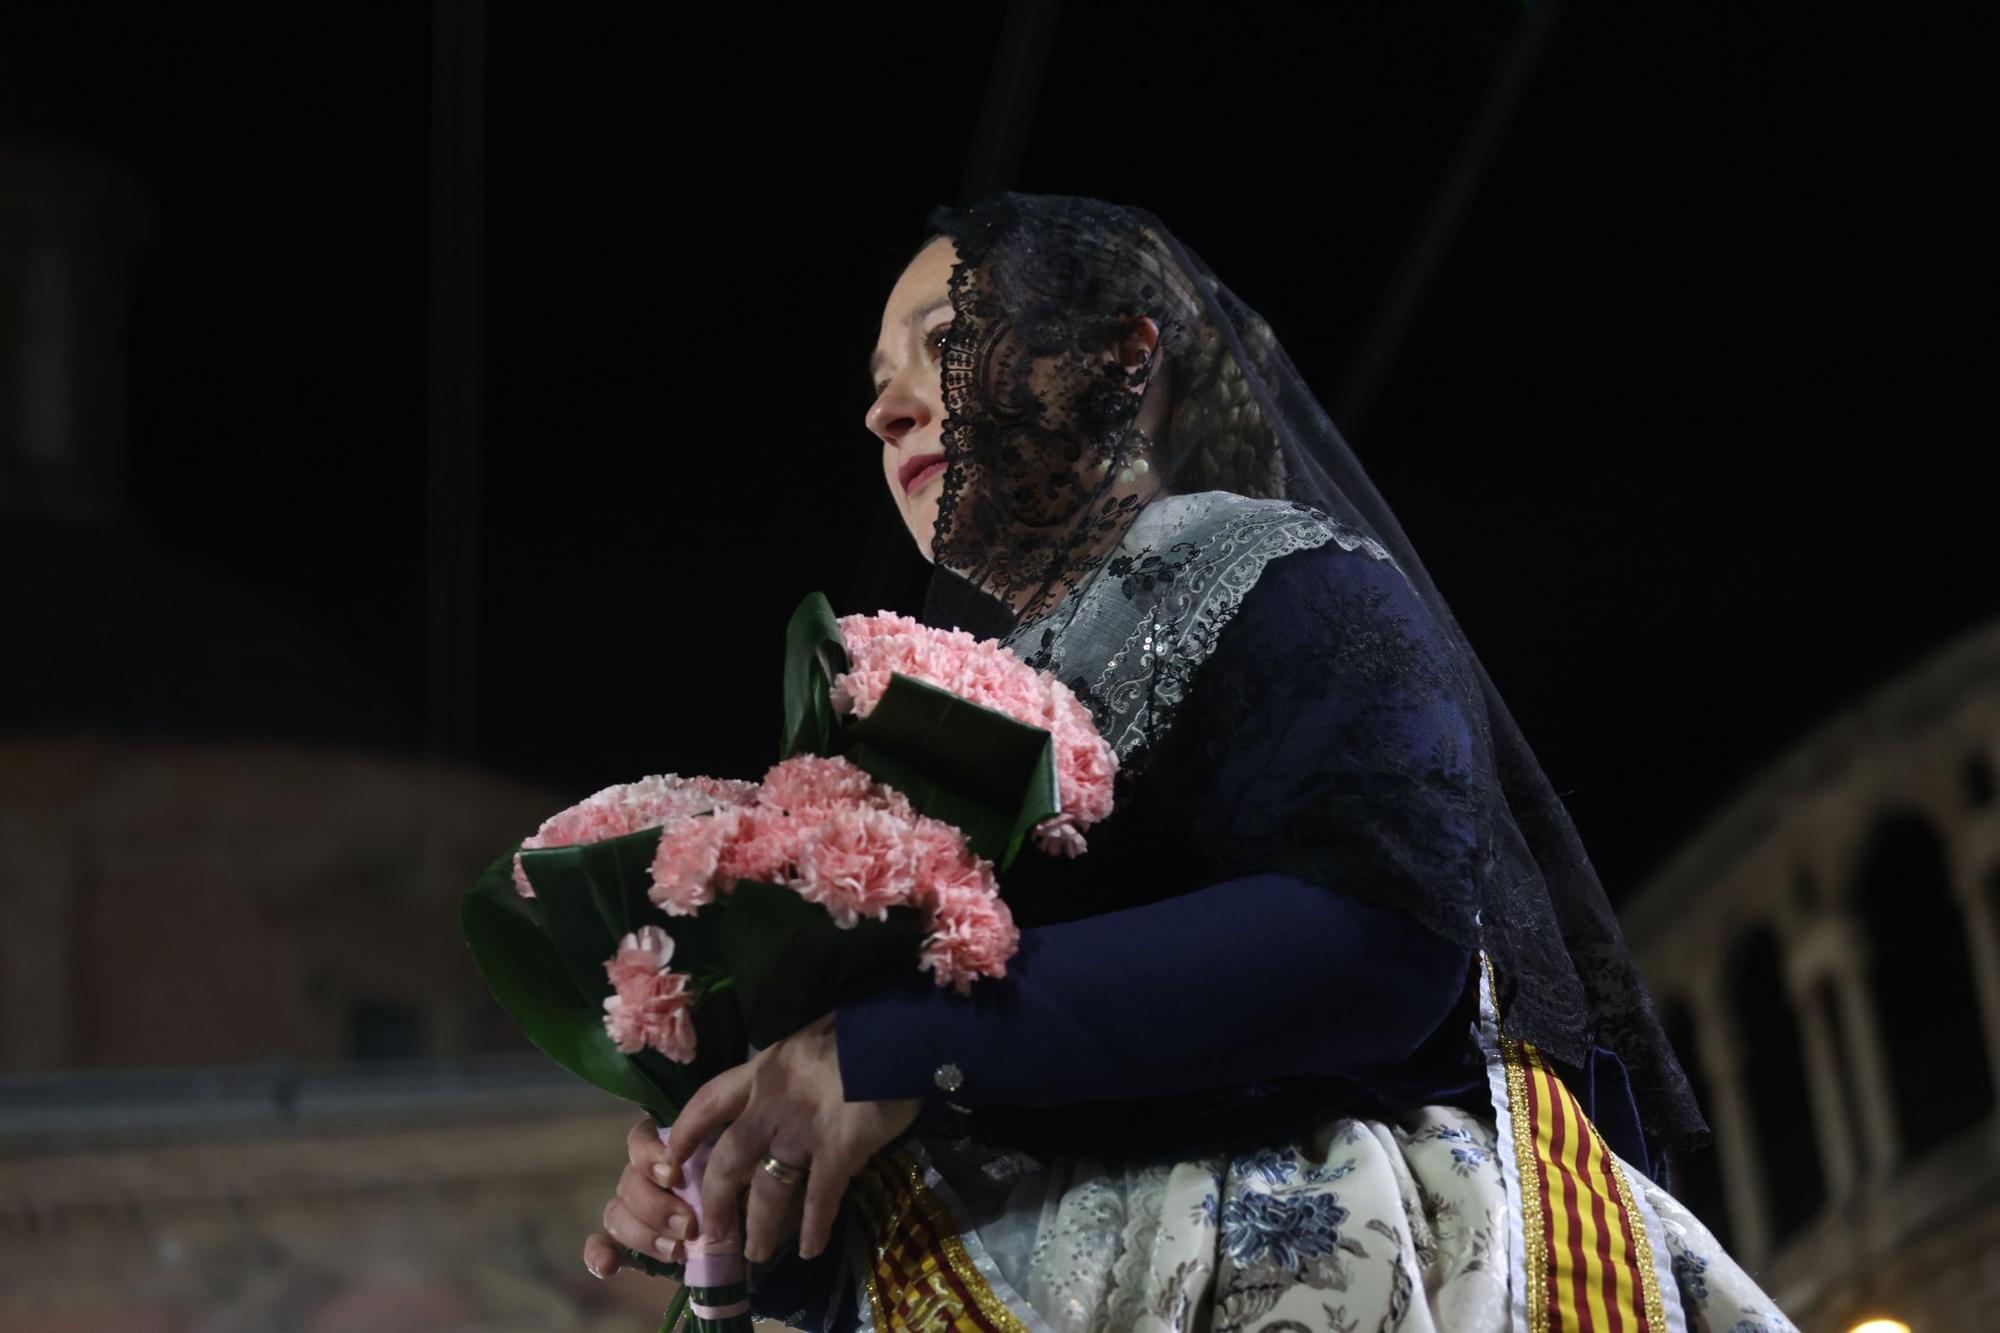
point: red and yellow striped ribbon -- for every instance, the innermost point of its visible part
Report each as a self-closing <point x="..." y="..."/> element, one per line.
<point x="1589" y="1262"/>
<point x="919" y="1277"/>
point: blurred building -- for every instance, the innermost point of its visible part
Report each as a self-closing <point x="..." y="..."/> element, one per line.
<point x="249" y="1076"/>
<point x="250" y="1079"/>
<point x="1827" y="955"/>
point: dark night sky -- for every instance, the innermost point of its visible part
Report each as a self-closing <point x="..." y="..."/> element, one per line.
<point x="1684" y="431"/>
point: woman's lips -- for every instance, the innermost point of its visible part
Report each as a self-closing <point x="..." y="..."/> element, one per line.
<point x="918" y="472"/>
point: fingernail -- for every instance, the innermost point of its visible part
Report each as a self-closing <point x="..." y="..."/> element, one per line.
<point x="595" y="1271"/>
<point x="663" y="1173"/>
<point x="666" y="1245"/>
<point x="677" y="1226"/>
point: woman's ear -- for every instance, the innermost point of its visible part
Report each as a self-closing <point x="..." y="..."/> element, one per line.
<point x="1138" y="348"/>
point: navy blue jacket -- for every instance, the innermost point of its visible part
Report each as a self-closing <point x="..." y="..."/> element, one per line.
<point x="1206" y="1010"/>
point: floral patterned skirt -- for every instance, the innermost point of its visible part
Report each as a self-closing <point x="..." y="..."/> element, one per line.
<point x="1515" y="1220"/>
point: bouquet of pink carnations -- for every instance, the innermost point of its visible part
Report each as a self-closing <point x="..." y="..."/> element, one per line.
<point x="649" y="936"/>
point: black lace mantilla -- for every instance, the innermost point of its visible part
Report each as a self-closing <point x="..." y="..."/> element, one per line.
<point x="1106" y="513"/>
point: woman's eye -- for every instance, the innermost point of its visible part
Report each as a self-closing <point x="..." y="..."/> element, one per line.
<point x="939" y="338"/>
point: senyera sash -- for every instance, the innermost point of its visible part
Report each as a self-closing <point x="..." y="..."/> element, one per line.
<point x="1583" y="1242"/>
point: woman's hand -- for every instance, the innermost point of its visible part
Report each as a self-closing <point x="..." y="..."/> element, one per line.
<point x="786" y="1101"/>
<point x="643" y="1214"/>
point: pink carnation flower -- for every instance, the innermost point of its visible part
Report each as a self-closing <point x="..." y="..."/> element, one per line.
<point x="650" y="1005"/>
<point x="629" y="807"/>
<point x="811" y="782"/>
<point x="885" y="645"/>
<point x="859" y="862"/>
<point x="1058" y="837"/>
<point x="942" y="855"/>
<point x="685" y="864"/>
<point x="972" y="931"/>
<point x="766" y="837"/>
<point x="763" y="844"/>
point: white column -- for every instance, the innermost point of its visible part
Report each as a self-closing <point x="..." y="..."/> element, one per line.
<point x="1743" y="1184"/>
<point x="1876" y="1104"/>
<point x="1839" y="1154"/>
<point x="1970" y="865"/>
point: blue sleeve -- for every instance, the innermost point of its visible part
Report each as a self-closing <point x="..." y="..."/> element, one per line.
<point x="1274" y="970"/>
<point x="1210" y="989"/>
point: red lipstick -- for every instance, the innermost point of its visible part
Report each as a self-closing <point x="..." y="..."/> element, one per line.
<point x="917" y="470"/>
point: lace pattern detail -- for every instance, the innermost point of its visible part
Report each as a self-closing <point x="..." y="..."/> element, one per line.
<point x="1130" y="1299"/>
<point x="1130" y="640"/>
<point x="1070" y="1270"/>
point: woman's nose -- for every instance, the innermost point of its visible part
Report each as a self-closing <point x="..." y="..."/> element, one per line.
<point x="895" y="414"/>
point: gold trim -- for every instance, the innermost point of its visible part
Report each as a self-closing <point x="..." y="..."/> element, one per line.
<point x="1528" y="1163"/>
<point x="945" y="1228"/>
<point x="871" y="1216"/>
<point x="912" y="1232"/>
<point x="1649" y="1277"/>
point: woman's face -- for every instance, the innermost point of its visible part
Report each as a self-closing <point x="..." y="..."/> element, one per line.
<point x="907" y="415"/>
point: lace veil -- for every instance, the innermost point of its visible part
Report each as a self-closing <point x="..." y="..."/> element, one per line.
<point x="1056" y="445"/>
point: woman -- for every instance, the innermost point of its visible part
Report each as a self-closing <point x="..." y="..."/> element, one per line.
<point x="1332" y="1028"/>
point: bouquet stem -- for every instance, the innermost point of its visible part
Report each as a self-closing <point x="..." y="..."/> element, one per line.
<point x="675" y="1309"/>
<point x="718" y="1294"/>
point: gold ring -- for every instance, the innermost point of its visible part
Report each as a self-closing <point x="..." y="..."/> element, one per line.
<point x="783" y="1172"/>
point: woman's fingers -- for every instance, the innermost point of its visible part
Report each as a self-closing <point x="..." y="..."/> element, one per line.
<point x="643" y="1146"/>
<point x="651" y="1204"/>
<point x="714" y="1104"/>
<point x="724" y="1180"/>
<point x="733" y="1185"/>
<point x="634" y="1234"/>
<point x="820" y="1206"/>
<point x="773" y="1209"/>
<point x="600" y="1254"/>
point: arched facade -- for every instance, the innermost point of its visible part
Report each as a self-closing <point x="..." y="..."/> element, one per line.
<point x="1853" y="886"/>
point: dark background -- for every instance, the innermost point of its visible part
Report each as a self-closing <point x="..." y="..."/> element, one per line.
<point x="1686" y="424"/>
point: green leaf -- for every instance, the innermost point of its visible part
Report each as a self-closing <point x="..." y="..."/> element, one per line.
<point x="962" y="762"/>
<point x="988" y="828"/>
<point x="792" y="963"/>
<point x="595" y="894"/>
<point x="814" y="654"/>
<point x="509" y="940"/>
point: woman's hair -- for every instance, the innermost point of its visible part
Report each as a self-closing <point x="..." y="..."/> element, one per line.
<point x="1213" y="405"/>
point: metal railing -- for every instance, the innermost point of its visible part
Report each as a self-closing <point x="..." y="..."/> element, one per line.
<point x="43" y="1110"/>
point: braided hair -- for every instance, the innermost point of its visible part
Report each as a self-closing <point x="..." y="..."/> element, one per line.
<point x="1216" y="414"/>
